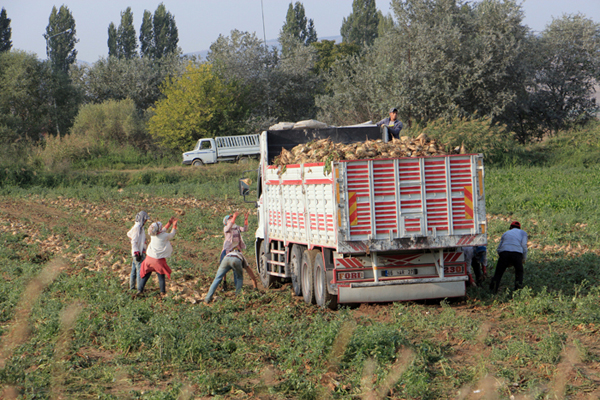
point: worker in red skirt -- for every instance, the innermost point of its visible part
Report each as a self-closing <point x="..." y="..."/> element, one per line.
<point x="156" y="256"/>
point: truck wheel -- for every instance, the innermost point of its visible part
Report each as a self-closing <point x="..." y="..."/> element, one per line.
<point x="197" y="163"/>
<point x="243" y="160"/>
<point x="267" y="279"/>
<point x="295" y="266"/>
<point x="307" y="277"/>
<point x="322" y="295"/>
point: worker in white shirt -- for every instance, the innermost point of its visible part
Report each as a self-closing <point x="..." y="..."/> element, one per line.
<point x="158" y="251"/>
<point x="512" y="251"/>
<point x="138" y="247"/>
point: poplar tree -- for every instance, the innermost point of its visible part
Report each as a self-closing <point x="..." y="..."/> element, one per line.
<point x="165" y="32"/>
<point x="5" y="32"/>
<point x="112" y="41"/>
<point x="297" y="29"/>
<point x="126" y="40"/>
<point x="60" y="39"/>
<point x="361" y="26"/>
<point x="158" y="34"/>
<point x="146" y="35"/>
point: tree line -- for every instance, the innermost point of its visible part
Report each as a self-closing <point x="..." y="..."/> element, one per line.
<point x="432" y="59"/>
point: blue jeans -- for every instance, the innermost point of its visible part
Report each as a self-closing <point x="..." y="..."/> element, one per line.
<point x="134" y="278"/>
<point x="228" y="263"/>
<point x="161" y="282"/>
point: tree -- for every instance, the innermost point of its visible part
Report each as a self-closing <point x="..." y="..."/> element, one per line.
<point x="276" y="88"/>
<point x="138" y="79"/>
<point x="241" y="57"/>
<point x="5" y="32"/>
<point x="25" y="98"/>
<point x="165" y="32"/>
<point x="158" y="34"/>
<point x="386" y="24"/>
<point x="568" y="68"/>
<point x="445" y="58"/>
<point x="60" y="39"/>
<point x="196" y="105"/>
<point x="328" y="51"/>
<point x="113" y="50"/>
<point x="146" y="35"/>
<point x="296" y="29"/>
<point x="126" y="41"/>
<point x="361" y="25"/>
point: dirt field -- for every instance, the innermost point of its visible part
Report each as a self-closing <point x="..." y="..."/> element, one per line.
<point x="52" y="224"/>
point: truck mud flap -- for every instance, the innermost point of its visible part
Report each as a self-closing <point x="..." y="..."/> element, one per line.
<point x="386" y="292"/>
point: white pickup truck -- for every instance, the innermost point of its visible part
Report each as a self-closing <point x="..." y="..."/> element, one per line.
<point x="222" y="148"/>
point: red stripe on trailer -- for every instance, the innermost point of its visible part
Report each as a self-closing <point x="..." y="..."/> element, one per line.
<point x="272" y="182"/>
<point x="292" y="182"/>
<point x="319" y="164"/>
<point x="318" y="181"/>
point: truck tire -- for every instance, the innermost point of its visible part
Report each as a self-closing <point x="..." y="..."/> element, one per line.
<point x="197" y="163"/>
<point x="322" y="296"/>
<point x="307" y="275"/>
<point x="267" y="279"/>
<point x="295" y="268"/>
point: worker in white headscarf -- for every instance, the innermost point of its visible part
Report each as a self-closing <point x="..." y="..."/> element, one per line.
<point x="159" y="250"/>
<point x="138" y="247"/>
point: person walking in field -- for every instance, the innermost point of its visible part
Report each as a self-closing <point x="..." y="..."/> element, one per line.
<point x="512" y="251"/>
<point x="138" y="247"/>
<point x="158" y="251"/>
<point x="233" y="237"/>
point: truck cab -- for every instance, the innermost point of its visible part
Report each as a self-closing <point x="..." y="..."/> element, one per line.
<point x="205" y="152"/>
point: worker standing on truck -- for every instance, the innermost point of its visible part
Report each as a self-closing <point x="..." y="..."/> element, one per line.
<point x="138" y="247"/>
<point x="394" y="126"/>
<point x="512" y="251"/>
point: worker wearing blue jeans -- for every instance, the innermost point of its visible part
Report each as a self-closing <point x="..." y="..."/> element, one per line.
<point x="235" y="261"/>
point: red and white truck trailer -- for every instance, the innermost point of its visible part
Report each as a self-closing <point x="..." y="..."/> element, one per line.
<point x="368" y="230"/>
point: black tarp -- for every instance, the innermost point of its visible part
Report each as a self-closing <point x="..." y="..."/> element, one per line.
<point x="288" y="139"/>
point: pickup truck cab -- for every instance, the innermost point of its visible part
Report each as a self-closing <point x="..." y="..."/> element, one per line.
<point x="223" y="148"/>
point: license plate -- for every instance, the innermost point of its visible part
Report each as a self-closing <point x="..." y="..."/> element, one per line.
<point x="399" y="272"/>
<point x="348" y="276"/>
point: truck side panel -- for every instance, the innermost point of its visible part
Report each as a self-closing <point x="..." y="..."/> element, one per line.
<point x="234" y="146"/>
<point x="299" y="205"/>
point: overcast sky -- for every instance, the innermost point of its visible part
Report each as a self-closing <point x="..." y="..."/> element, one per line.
<point x="201" y="21"/>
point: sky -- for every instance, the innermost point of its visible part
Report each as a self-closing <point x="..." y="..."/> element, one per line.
<point x="200" y="22"/>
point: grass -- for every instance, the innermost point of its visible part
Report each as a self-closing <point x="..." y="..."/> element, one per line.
<point x="86" y="337"/>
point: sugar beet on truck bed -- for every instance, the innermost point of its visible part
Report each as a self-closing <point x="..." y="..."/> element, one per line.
<point x="370" y="230"/>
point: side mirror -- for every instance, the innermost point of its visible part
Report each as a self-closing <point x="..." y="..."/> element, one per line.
<point x="245" y="186"/>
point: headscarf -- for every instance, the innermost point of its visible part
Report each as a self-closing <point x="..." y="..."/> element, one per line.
<point x="138" y="227"/>
<point x="226" y="219"/>
<point x="155" y="228"/>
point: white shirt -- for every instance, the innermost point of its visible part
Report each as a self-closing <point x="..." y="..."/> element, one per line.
<point x="138" y="238"/>
<point x="160" y="245"/>
<point x="514" y="240"/>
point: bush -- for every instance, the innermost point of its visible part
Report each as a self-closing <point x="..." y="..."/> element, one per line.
<point x="478" y="136"/>
<point x="99" y="130"/>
